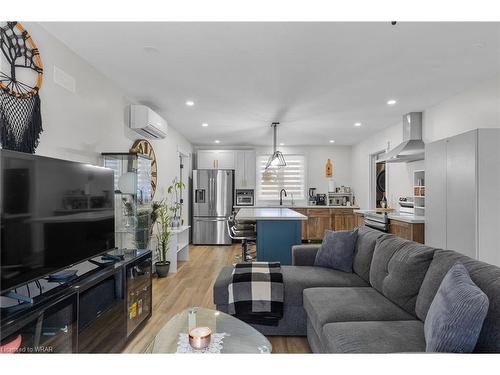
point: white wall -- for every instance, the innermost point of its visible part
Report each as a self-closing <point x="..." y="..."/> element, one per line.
<point x="79" y="126"/>
<point x="478" y="107"/>
<point x="316" y="157"/>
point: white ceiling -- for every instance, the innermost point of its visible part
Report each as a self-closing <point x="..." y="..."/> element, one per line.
<point x="317" y="79"/>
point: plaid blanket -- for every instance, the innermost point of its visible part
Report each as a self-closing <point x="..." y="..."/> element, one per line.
<point x="256" y="293"/>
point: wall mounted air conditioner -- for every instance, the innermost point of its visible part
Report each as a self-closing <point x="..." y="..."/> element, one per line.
<point x="147" y="123"/>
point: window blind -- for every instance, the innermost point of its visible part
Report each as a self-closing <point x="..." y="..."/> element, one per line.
<point x="291" y="178"/>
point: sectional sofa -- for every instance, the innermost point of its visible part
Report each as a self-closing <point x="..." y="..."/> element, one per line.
<point x="381" y="306"/>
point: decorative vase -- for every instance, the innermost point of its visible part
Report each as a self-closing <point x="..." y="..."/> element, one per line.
<point x="176" y="222"/>
<point x="162" y="268"/>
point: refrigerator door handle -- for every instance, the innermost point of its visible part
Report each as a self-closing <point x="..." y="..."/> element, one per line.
<point x="214" y="194"/>
<point x="209" y="194"/>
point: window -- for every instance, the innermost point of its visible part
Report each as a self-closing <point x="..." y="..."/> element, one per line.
<point x="291" y="178"/>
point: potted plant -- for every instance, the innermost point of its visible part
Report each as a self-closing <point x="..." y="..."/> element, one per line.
<point x="176" y="206"/>
<point x="162" y="217"/>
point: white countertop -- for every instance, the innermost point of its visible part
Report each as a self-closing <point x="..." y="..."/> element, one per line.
<point x="294" y="206"/>
<point x="268" y="213"/>
<point x="180" y="229"/>
<point x="412" y="219"/>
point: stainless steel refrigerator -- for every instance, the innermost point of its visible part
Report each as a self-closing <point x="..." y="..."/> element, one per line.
<point x="212" y="205"/>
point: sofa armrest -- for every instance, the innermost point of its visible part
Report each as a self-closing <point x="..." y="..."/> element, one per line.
<point x="221" y="293"/>
<point x="304" y="255"/>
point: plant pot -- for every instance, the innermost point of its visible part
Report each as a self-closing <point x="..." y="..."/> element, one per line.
<point x="162" y="268"/>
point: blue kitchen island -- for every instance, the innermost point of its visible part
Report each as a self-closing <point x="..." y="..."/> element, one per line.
<point x="278" y="229"/>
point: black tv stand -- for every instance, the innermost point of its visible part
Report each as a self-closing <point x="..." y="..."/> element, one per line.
<point x="116" y="258"/>
<point x="19" y="297"/>
<point x="92" y="313"/>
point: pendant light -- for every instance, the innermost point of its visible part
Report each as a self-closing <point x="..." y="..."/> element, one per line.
<point x="277" y="159"/>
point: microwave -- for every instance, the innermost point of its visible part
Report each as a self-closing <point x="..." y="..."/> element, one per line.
<point x="244" y="197"/>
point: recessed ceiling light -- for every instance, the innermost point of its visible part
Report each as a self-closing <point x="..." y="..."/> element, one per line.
<point x="204" y="124"/>
<point x="332" y="141"/>
<point x="282" y="144"/>
<point x="189" y="103"/>
<point x="391" y="101"/>
<point x="217" y="141"/>
<point x="357" y="124"/>
<point x="150" y="49"/>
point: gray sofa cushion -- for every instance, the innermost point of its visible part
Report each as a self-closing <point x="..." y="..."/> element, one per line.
<point x="456" y="314"/>
<point x="398" y="269"/>
<point x="363" y="252"/>
<point x="328" y="305"/>
<point x="337" y="250"/>
<point x="374" y="337"/>
<point x="293" y="322"/>
<point x="304" y="255"/>
<point x="485" y="276"/>
<point x="295" y="279"/>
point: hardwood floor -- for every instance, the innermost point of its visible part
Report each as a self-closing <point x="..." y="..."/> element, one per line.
<point x="192" y="285"/>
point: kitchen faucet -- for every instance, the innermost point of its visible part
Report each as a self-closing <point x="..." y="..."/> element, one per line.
<point x="281" y="196"/>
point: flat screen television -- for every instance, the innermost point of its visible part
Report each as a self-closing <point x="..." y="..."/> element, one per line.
<point x="54" y="214"/>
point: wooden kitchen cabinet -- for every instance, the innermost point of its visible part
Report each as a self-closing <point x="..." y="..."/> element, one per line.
<point x="343" y="222"/>
<point x="319" y="220"/>
<point x="342" y="219"/>
<point x="215" y="159"/>
<point x="408" y="231"/>
<point x="359" y="220"/>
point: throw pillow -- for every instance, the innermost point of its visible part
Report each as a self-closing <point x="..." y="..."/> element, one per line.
<point x="456" y="314"/>
<point x="337" y="250"/>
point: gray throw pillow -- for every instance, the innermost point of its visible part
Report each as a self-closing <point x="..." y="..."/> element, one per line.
<point x="337" y="250"/>
<point x="456" y="314"/>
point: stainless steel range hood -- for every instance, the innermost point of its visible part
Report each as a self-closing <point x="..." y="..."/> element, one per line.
<point x="412" y="148"/>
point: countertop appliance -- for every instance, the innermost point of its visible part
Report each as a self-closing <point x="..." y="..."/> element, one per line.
<point x="312" y="196"/>
<point x="212" y="205"/>
<point x="244" y="197"/>
<point x="320" y="199"/>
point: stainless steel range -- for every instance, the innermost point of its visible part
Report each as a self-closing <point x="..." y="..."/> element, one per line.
<point x="406" y="205"/>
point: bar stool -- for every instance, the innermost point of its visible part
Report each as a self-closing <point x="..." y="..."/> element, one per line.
<point x="244" y="232"/>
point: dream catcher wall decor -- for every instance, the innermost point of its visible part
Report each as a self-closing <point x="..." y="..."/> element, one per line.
<point x="21" y="75"/>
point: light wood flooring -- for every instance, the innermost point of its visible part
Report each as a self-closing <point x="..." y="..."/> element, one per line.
<point x="192" y="285"/>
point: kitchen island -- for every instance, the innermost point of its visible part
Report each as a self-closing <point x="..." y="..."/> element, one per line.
<point x="278" y="229"/>
<point x="320" y="218"/>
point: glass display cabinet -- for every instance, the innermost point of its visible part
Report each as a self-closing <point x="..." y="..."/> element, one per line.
<point x="132" y="199"/>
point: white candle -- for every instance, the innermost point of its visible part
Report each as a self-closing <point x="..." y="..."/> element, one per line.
<point x="199" y="337"/>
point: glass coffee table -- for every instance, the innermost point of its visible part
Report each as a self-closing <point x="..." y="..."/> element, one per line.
<point x="241" y="337"/>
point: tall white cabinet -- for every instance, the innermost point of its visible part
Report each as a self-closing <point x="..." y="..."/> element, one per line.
<point x="244" y="177"/>
<point x="463" y="194"/>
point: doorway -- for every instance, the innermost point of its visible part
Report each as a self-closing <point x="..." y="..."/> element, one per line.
<point x="378" y="179"/>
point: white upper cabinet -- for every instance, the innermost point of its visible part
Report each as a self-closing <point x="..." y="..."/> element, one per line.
<point x="244" y="177"/>
<point x="215" y="159"/>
